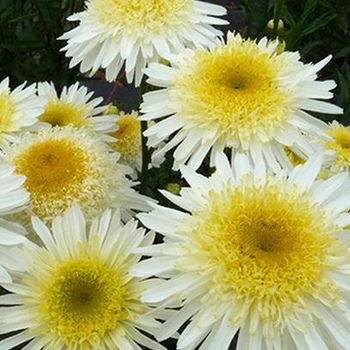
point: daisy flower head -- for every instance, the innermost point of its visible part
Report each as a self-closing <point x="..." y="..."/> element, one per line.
<point x="19" y="108"/>
<point x="65" y="166"/>
<point x="75" y="291"/>
<point x="243" y="95"/>
<point x="264" y="255"/>
<point x="116" y="33"/>
<point x="128" y="139"/>
<point x="74" y="106"/>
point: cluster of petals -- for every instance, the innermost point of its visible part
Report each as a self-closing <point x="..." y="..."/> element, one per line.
<point x="112" y="34"/>
<point x="211" y="99"/>
<point x="270" y="298"/>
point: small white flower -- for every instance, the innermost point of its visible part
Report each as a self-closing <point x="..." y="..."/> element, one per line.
<point x="75" y="106"/>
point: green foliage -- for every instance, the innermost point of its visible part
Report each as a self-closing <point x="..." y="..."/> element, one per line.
<point x="29" y="49"/>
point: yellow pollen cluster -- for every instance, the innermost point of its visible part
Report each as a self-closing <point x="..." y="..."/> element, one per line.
<point x="83" y="300"/>
<point x="128" y="138"/>
<point x="66" y="166"/>
<point x="268" y="248"/>
<point x="59" y="113"/>
<point x="341" y="145"/>
<point x="52" y="166"/>
<point x="140" y="17"/>
<point x="293" y="157"/>
<point x="235" y="89"/>
<point x="7" y="108"/>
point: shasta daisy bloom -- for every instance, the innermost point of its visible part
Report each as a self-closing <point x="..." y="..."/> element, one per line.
<point x="75" y="291"/>
<point x="128" y="139"/>
<point x="264" y="255"/>
<point x="241" y="94"/>
<point x="19" y="108"/>
<point x="65" y="165"/>
<point x="75" y="106"/>
<point x="113" y="33"/>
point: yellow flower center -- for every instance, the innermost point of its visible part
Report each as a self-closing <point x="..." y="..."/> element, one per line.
<point x="128" y="138"/>
<point x="293" y="157"/>
<point x="341" y="145"/>
<point x="7" y="108"/>
<point x="129" y="127"/>
<point x="52" y="166"/>
<point x="83" y="300"/>
<point x="234" y="89"/>
<point x="140" y="17"/>
<point x="58" y="113"/>
<point x="267" y="248"/>
<point x="64" y="166"/>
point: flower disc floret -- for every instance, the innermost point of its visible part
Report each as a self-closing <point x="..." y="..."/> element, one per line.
<point x="271" y="247"/>
<point x="78" y="289"/>
<point x="128" y="139"/>
<point x="66" y="166"/>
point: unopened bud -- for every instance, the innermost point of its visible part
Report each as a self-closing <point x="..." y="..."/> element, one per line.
<point x="173" y="187"/>
<point x="271" y="25"/>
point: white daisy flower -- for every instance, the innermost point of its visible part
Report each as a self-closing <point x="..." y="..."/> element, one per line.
<point x="266" y="256"/>
<point x="65" y="166"/>
<point x="113" y="33"/>
<point x="243" y="95"/>
<point x="75" y="106"/>
<point x="19" y="108"/>
<point x="75" y="291"/>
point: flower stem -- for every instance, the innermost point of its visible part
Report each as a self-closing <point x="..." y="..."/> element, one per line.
<point x="276" y="16"/>
<point x="145" y="159"/>
<point x="145" y="152"/>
